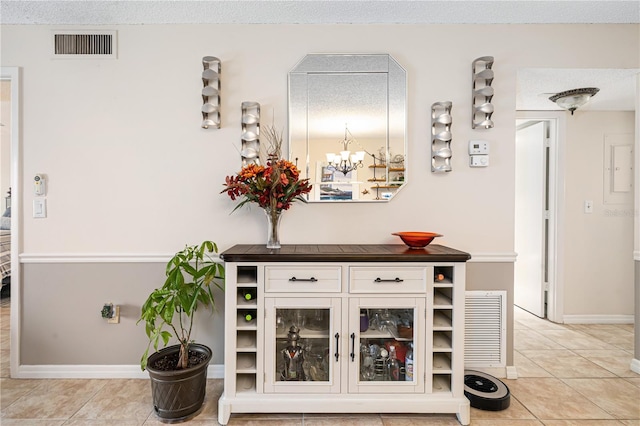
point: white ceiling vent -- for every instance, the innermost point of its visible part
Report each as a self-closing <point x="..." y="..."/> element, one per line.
<point x="84" y="44"/>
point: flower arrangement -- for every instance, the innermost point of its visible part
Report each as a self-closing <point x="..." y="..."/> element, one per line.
<point x="273" y="187"/>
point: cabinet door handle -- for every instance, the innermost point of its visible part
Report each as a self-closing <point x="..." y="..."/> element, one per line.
<point x="337" y="336"/>
<point x="353" y="346"/>
<point x="294" y="279"/>
<point x="395" y="280"/>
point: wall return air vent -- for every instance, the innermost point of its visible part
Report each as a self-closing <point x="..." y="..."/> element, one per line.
<point x="485" y="339"/>
<point x="84" y="44"/>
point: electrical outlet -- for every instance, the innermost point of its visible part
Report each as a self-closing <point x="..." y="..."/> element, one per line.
<point x="115" y="319"/>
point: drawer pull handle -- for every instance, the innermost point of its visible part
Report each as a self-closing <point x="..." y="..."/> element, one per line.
<point x="337" y="336"/>
<point x="380" y="280"/>
<point x="312" y="279"/>
<point x="353" y="346"/>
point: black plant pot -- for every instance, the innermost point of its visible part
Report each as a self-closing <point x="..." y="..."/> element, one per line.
<point x="178" y="394"/>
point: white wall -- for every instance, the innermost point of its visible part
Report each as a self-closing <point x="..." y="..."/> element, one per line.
<point x="121" y="144"/>
<point x="132" y="173"/>
<point x="599" y="246"/>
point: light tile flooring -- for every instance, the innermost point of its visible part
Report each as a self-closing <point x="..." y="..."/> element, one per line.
<point x="568" y="375"/>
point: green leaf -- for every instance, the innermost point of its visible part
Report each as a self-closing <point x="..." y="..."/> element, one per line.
<point x="165" y="337"/>
<point x="189" y="277"/>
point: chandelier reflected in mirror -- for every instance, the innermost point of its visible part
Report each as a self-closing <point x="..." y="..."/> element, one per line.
<point x="345" y="161"/>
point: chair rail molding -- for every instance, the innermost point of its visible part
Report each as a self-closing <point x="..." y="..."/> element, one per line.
<point x="493" y="257"/>
<point x="96" y="257"/>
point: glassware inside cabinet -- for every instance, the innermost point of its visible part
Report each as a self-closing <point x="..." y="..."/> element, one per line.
<point x="302" y="344"/>
<point x="386" y="346"/>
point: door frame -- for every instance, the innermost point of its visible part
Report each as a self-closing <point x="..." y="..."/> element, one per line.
<point x="12" y="74"/>
<point x="556" y="195"/>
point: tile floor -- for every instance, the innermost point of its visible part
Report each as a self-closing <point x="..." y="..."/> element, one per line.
<point x="568" y="375"/>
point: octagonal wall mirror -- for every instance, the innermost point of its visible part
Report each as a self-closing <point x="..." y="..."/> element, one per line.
<point x="347" y="126"/>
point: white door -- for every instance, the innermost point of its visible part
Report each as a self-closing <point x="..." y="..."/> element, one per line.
<point x="530" y="223"/>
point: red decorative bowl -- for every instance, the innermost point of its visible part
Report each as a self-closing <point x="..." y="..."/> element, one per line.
<point x="416" y="240"/>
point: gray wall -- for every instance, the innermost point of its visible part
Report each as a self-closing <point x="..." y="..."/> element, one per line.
<point x="636" y="335"/>
<point x="495" y="276"/>
<point x="70" y="330"/>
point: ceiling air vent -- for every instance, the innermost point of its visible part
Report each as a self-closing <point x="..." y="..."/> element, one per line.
<point x="84" y="44"/>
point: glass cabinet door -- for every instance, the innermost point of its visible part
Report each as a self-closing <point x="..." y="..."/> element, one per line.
<point x="386" y="345"/>
<point x="302" y="345"/>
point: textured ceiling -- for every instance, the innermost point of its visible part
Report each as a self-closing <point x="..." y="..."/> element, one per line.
<point x="617" y="87"/>
<point x="93" y="12"/>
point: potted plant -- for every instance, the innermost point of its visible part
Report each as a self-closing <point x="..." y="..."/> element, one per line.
<point x="179" y="372"/>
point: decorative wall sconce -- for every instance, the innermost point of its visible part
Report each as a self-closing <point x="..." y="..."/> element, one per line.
<point x="441" y="136"/>
<point x="482" y="93"/>
<point x="345" y="161"/>
<point x="211" y="92"/>
<point x="573" y="99"/>
<point x="250" y="152"/>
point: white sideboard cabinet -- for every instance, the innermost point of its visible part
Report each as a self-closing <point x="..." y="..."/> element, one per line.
<point x="312" y="328"/>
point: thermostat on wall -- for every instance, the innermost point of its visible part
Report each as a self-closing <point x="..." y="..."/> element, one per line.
<point x="478" y="147"/>
<point x="478" y="153"/>
<point x="478" y="160"/>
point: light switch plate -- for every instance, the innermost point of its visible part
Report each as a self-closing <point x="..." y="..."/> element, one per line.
<point x="588" y="206"/>
<point x="40" y="207"/>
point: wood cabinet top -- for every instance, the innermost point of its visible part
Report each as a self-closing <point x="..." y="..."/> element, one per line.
<point x="343" y="253"/>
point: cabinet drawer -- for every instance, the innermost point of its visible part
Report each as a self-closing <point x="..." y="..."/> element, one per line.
<point x="388" y="279"/>
<point x="302" y="279"/>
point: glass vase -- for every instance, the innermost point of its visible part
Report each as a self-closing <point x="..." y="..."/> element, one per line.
<point x="273" y="231"/>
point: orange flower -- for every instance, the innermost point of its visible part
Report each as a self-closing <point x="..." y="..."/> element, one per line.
<point x="274" y="186"/>
<point x="250" y="171"/>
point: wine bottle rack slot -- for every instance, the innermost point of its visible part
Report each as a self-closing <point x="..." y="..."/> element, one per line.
<point x="442" y="298"/>
<point x="441" y="341"/>
<point x="441" y="383"/>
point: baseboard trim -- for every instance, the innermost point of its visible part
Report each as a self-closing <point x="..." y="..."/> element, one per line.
<point x="506" y="372"/>
<point x="598" y="319"/>
<point x="96" y="372"/>
<point x="635" y="365"/>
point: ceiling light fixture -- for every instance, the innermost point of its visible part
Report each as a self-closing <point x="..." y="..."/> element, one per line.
<point x="571" y="100"/>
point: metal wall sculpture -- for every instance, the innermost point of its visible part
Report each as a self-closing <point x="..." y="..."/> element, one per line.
<point x="482" y="93"/>
<point x="441" y="137"/>
<point x="250" y="152"/>
<point x="211" y="92"/>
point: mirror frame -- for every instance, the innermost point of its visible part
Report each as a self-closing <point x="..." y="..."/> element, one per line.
<point x="396" y="123"/>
